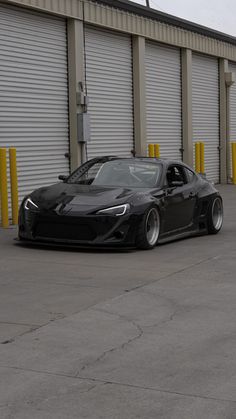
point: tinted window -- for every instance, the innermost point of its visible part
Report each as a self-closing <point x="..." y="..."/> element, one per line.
<point x="190" y="175"/>
<point x="124" y="173"/>
<point x="175" y="174"/>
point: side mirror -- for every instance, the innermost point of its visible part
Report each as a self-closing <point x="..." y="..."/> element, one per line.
<point x="62" y="177"/>
<point x="177" y="183"/>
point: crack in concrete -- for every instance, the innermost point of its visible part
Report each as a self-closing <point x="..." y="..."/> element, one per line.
<point x="60" y="317"/>
<point x="164" y="321"/>
<point x="138" y="288"/>
<point x="116" y="348"/>
<point x="90" y="388"/>
<point x="176" y="309"/>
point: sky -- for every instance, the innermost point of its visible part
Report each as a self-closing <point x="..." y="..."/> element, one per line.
<point x="216" y="14"/>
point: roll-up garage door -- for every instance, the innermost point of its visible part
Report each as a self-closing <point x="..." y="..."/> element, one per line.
<point x="34" y="95"/>
<point x="110" y="91"/>
<point x="232" y="107"/>
<point x="205" y="96"/>
<point x="163" y="99"/>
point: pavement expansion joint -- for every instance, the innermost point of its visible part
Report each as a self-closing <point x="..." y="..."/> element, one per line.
<point x="117" y="383"/>
<point x="158" y="390"/>
<point x="31" y="330"/>
<point x="20" y="324"/>
<point x="169" y="275"/>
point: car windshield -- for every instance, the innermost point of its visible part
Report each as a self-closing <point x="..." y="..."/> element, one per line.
<point x="120" y="172"/>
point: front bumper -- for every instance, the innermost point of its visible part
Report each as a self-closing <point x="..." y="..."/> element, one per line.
<point x="83" y="230"/>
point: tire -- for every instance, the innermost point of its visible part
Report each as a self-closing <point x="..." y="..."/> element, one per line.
<point x="215" y="216"/>
<point x="149" y="229"/>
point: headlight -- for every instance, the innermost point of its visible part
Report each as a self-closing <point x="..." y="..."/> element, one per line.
<point x="30" y="205"/>
<point x="117" y="211"/>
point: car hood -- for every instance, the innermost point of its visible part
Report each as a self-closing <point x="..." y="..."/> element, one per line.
<point x="64" y="197"/>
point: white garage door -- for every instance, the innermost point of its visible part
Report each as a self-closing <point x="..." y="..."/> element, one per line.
<point x="232" y="106"/>
<point x="205" y="85"/>
<point x="110" y="91"/>
<point x="163" y="99"/>
<point x="34" y="95"/>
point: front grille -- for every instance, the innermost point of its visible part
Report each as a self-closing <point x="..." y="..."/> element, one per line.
<point x="67" y="231"/>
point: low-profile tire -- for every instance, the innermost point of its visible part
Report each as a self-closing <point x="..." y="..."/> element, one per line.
<point x="215" y="215"/>
<point x="149" y="229"/>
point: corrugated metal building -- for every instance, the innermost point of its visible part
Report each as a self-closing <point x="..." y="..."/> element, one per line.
<point x="141" y="75"/>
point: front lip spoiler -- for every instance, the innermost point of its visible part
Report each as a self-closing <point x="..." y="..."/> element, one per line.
<point x="77" y="245"/>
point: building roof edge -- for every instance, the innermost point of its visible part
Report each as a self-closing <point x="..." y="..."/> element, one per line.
<point x="160" y="16"/>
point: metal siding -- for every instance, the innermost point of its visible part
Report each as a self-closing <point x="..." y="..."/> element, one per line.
<point x="232" y="112"/>
<point x="34" y="95"/>
<point x="205" y="97"/>
<point x="163" y="99"/>
<point x="110" y="92"/>
<point x="113" y="18"/>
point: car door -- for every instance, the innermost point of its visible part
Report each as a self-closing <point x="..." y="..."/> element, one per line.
<point x="179" y="199"/>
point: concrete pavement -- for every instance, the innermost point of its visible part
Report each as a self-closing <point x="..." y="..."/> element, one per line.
<point x="120" y="335"/>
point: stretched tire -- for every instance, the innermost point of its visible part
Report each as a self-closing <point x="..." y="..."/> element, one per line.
<point x="215" y="216"/>
<point x="149" y="229"/>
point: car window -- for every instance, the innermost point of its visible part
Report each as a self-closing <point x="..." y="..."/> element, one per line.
<point x="124" y="173"/>
<point x="190" y="175"/>
<point x="120" y="172"/>
<point x="87" y="177"/>
<point x="175" y="173"/>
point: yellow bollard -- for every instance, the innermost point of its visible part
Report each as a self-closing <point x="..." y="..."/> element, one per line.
<point x="157" y="150"/>
<point x="3" y="187"/>
<point x="233" y="145"/>
<point x="202" y="158"/>
<point x="197" y="157"/>
<point x="14" y="185"/>
<point x="151" y="152"/>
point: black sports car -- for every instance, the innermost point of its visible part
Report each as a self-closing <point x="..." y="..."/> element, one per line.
<point x="122" y="201"/>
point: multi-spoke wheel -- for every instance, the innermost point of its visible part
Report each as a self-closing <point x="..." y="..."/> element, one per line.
<point x="148" y="234"/>
<point x="215" y="216"/>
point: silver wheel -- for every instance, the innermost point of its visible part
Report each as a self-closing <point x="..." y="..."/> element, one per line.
<point x="217" y="214"/>
<point x="152" y="226"/>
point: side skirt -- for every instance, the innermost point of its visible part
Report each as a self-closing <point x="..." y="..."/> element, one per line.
<point x="182" y="235"/>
